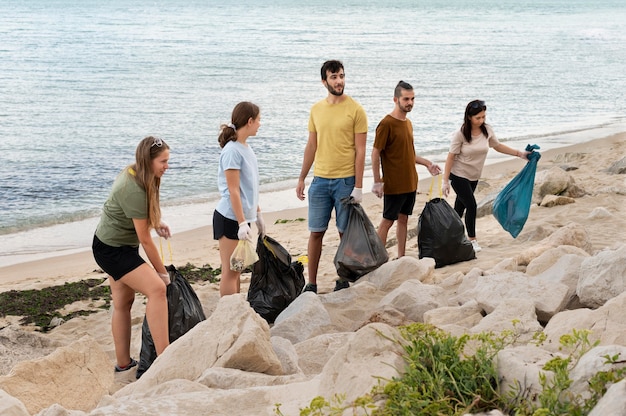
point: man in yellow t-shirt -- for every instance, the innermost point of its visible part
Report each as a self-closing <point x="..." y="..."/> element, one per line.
<point x="336" y="144"/>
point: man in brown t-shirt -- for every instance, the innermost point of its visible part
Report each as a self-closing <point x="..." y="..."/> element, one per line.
<point x="394" y="152"/>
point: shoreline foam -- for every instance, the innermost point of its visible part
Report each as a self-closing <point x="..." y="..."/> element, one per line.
<point x="51" y="242"/>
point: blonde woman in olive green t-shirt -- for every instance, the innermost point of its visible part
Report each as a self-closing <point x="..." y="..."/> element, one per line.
<point x="130" y="212"/>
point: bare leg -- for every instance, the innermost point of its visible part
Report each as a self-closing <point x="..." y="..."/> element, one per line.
<point x="383" y="229"/>
<point x="314" y="253"/>
<point x="144" y="279"/>
<point x="123" y="298"/>
<point x="401" y="232"/>
<point x="230" y="282"/>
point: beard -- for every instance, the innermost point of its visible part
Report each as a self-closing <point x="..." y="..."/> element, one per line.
<point x="335" y="92"/>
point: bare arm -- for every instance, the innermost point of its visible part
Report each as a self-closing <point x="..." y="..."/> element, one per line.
<point x="307" y="162"/>
<point x="232" y="181"/>
<point x="432" y="168"/>
<point x="448" y="167"/>
<point x="145" y="239"/>
<point x="504" y="149"/>
<point x="376" y="164"/>
<point x="359" y="160"/>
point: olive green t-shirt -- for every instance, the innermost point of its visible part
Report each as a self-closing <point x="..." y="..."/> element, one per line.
<point x="126" y="201"/>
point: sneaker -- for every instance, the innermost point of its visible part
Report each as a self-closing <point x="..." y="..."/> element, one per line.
<point x="132" y="364"/>
<point x="341" y="284"/>
<point x="477" y="248"/>
<point x="310" y="287"/>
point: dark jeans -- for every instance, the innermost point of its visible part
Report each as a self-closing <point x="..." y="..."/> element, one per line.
<point x="465" y="201"/>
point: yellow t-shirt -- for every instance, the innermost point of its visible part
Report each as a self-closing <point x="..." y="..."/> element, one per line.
<point x="336" y="125"/>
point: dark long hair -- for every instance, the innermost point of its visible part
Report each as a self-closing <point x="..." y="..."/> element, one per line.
<point x="242" y="112"/>
<point x="473" y="108"/>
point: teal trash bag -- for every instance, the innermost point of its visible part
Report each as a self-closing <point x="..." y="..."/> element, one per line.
<point x="512" y="205"/>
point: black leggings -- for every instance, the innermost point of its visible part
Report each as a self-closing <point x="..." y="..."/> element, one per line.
<point x="465" y="201"/>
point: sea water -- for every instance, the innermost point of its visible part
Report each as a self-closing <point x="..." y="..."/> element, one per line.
<point x="81" y="83"/>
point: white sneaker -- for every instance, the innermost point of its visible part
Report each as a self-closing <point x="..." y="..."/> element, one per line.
<point x="477" y="248"/>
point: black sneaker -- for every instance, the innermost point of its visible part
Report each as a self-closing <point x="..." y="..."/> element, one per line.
<point x="310" y="287"/>
<point x="341" y="284"/>
<point x="132" y="364"/>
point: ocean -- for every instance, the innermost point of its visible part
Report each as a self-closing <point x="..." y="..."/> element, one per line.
<point x="82" y="82"/>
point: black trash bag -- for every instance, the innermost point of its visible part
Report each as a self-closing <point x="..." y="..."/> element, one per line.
<point x="512" y="205"/>
<point x="441" y="234"/>
<point x="184" y="312"/>
<point x="361" y="249"/>
<point x="276" y="281"/>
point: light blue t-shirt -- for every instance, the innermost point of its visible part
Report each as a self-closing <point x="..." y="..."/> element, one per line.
<point x="242" y="158"/>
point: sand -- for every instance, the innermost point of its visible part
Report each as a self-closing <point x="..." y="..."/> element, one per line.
<point x="198" y="247"/>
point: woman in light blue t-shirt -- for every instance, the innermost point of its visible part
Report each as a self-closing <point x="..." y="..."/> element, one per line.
<point x="238" y="183"/>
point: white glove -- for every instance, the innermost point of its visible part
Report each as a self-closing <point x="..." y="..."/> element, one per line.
<point x="165" y="277"/>
<point x="244" y="233"/>
<point x="446" y="189"/>
<point x="377" y="189"/>
<point x="260" y="224"/>
<point x="434" y="170"/>
<point x="163" y="230"/>
<point x="357" y="194"/>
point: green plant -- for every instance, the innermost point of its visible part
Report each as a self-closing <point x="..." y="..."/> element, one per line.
<point x="440" y="378"/>
<point x="281" y="221"/>
<point x="446" y="375"/>
<point x="555" y="398"/>
<point x="319" y="406"/>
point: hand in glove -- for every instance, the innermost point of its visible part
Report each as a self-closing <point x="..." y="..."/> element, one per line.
<point x="244" y="233"/>
<point x="260" y="224"/>
<point x="377" y="189"/>
<point x="165" y="277"/>
<point x="446" y="189"/>
<point x="163" y="230"/>
<point x="357" y="194"/>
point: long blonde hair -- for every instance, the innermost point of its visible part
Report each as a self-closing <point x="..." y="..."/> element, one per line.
<point x="147" y="150"/>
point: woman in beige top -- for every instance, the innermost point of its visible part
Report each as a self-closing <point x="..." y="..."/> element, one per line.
<point x="466" y="159"/>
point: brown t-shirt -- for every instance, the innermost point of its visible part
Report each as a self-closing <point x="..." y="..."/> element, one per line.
<point x="470" y="157"/>
<point x="394" y="139"/>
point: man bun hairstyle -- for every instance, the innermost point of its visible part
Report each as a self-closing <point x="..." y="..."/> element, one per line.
<point x="401" y="86"/>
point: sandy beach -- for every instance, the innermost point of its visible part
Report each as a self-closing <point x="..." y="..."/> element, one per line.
<point x="586" y="164"/>
<point x="598" y="209"/>
<point x="290" y="229"/>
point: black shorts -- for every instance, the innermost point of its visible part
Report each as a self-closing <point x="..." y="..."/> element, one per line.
<point x="224" y="227"/>
<point x="116" y="261"/>
<point x="398" y="204"/>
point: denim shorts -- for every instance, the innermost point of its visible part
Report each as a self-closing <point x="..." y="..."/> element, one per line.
<point x="324" y="195"/>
